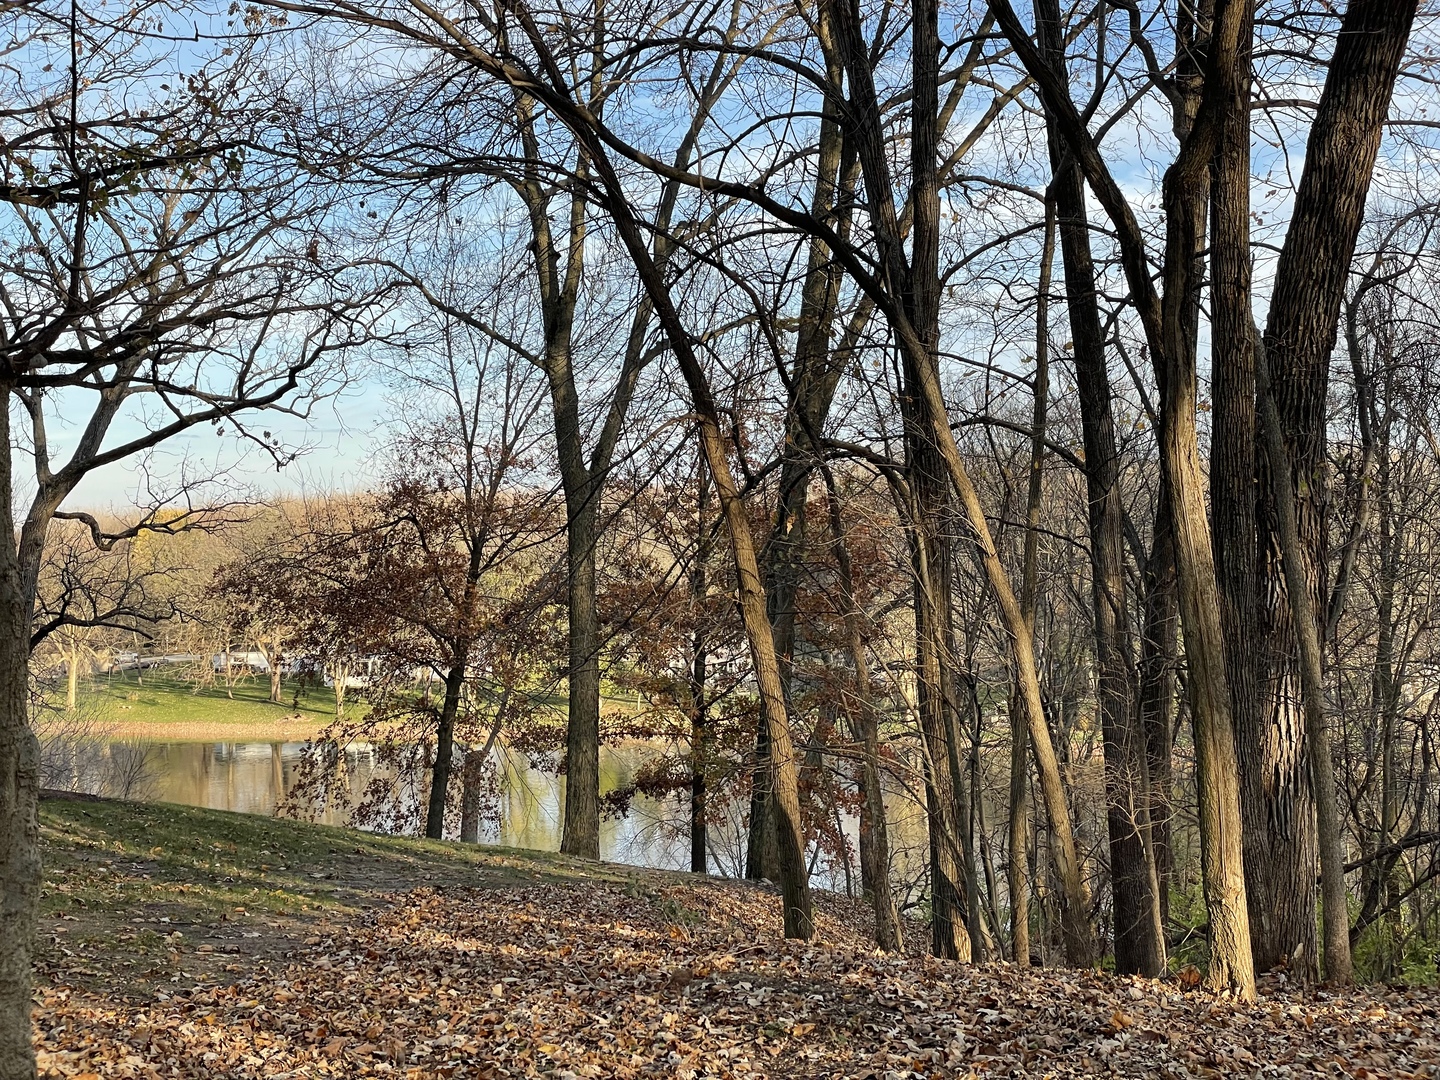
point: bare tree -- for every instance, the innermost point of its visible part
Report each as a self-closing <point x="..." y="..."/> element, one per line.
<point x="161" y="274"/>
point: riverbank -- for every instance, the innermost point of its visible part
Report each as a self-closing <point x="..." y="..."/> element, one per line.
<point x="191" y="943"/>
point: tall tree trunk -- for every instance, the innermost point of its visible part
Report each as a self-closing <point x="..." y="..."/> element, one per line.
<point x="581" y="836"/>
<point x="1169" y="323"/>
<point x="1299" y="338"/>
<point x="1158" y="655"/>
<point x="1139" y="927"/>
<point x="914" y="321"/>
<point x="19" y="792"/>
<point x="1019" y="829"/>
<point x="810" y="393"/>
<point x="794" y="880"/>
<point x="1217" y="776"/>
<point x="699" y="702"/>
<point x="1277" y="893"/>
<point x="444" y="749"/>
<point x="1335" y="911"/>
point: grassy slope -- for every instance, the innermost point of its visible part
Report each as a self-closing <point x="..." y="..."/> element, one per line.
<point x="121" y="877"/>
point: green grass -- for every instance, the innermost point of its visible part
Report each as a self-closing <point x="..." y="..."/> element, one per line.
<point x="208" y="861"/>
<point x="164" y="706"/>
<point x="126" y="883"/>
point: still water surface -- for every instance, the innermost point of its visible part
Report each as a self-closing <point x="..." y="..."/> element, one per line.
<point x="253" y="778"/>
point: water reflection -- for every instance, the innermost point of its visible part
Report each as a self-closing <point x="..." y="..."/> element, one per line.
<point x="253" y="778"/>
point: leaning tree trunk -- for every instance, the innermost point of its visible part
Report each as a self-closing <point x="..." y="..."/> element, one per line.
<point x="794" y="875"/>
<point x="811" y="391"/>
<point x="915" y="323"/>
<point x="19" y="796"/>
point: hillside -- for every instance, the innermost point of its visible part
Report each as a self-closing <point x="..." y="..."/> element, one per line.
<point x="190" y="943"/>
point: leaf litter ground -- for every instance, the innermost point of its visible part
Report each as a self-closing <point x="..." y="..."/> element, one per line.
<point x="405" y="959"/>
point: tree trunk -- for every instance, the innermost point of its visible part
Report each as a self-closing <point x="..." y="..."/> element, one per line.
<point x="1217" y="776"/>
<point x="1158" y="654"/>
<point x="341" y="678"/>
<point x="810" y="393"/>
<point x="949" y="898"/>
<point x="874" y="830"/>
<point x="1300" y="333"/>
<point x="1139" y="929"/>
<point x="794" y="876"/>
<point x="1278" y="894"/>
<point x="699" y="702"/>
<point x="1170" y="324"/>
<point x="582" y="739"/>
<point x="444" y="752"/>
<point x="472" y="772"/>
<point x="914" y="322"/>
<point x="1019" y="829"/>
<point x="1335" y="911"/>
<point x="275" y="658"/>
<point x="19" y="793"/>
<point x="1017" y="868"/>
<point x="72" y="679"/>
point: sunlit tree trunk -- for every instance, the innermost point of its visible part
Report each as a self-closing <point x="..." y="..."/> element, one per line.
<point x="19" y="792"/>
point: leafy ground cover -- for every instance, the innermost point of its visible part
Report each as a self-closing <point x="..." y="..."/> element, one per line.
<point x="192" y="943"/>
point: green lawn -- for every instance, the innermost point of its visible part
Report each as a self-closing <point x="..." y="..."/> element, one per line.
<point x="160" y="705"/>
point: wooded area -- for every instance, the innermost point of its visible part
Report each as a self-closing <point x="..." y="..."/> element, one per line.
<point x="1024" y="413"/>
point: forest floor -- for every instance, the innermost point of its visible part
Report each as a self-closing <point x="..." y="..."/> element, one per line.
<point x="194" y="943"/>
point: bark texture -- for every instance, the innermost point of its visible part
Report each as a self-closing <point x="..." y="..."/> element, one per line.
<point x="19" y="793"/>
<point x="1169" y="322"/>
<point x="1300" y="335"/>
